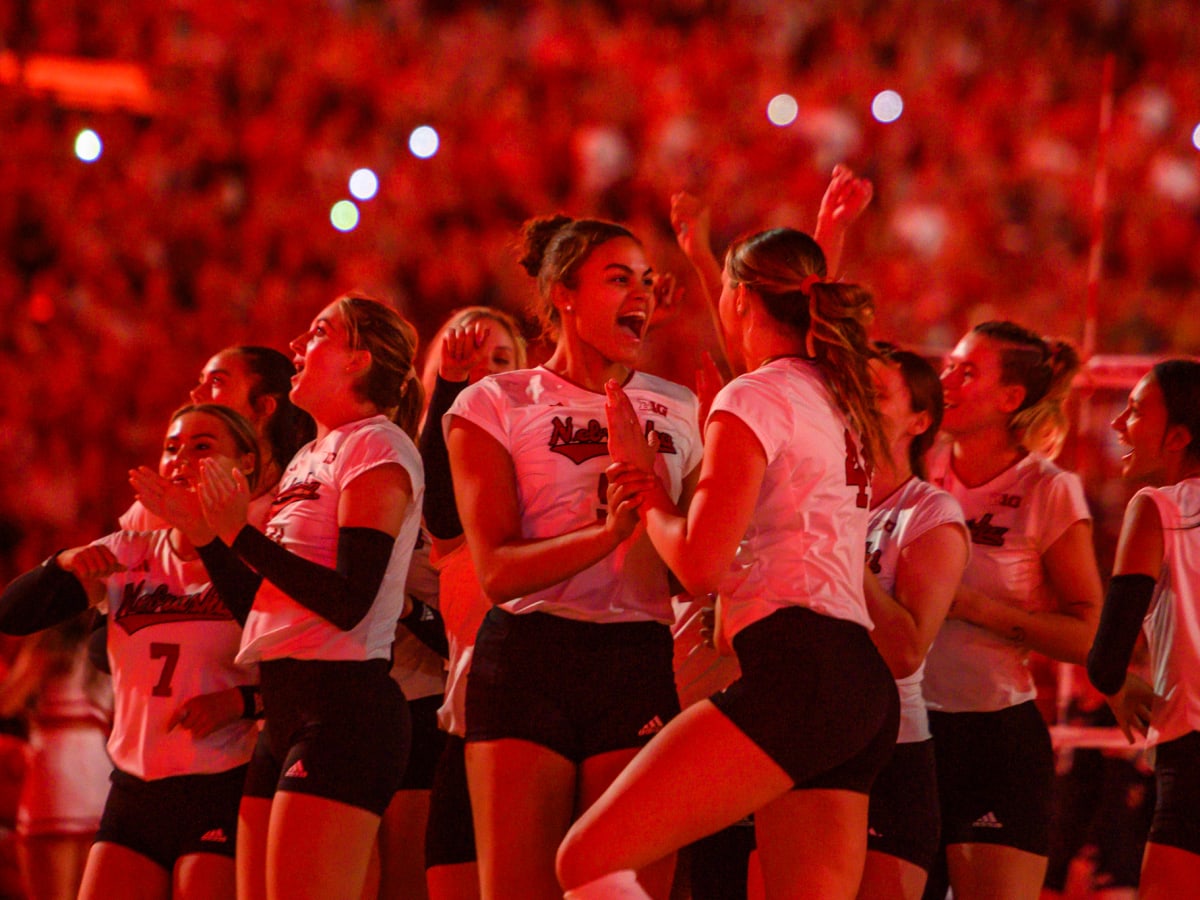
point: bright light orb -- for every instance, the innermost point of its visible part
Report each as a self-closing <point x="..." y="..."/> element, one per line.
<point x="887" y="106"/>
<point x="782" y="110"/>
<point x="423" y="142"/>
<point x="364" y="184"/>
<point x="1196" y="137"/>
<point x="344" y="215"/>
<point x="88" y="146"/>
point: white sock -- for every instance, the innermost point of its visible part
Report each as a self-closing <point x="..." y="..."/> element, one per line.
<point x="621" y="885"/>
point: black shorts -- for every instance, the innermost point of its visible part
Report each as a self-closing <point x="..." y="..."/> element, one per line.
<point x="338" y="730"/>
<point x="904" y="820"/>
<point x="1176" y="820"/>
<point x="579" y="688"/>
<point x="427" y="743"/>
<point x="995" y="773"/>
<point x="168" y="818"/>
<point x="826" y="730"/>
<point x="450" y="831"/>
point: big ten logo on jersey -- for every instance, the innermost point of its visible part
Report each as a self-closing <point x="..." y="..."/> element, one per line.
<point x="652" y="406"/>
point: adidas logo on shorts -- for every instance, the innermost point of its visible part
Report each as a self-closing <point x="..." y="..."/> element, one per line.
<point x="296" y="770"/>
<point x="987" y="820"/>
<point x="215" y="836"/>
<point x="654" y="726"/>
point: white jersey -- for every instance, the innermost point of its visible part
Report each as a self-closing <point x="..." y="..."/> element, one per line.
<point x="804" y="545"/>
<point x="305" y="522"/>
<point x="557" y="436"/>
<point x="911" y="510"/>
<point x="1014" y="518"/>
<point x="463" y="607"/>
<point x="169" y="639"/>
<point x="1172" y="623"/>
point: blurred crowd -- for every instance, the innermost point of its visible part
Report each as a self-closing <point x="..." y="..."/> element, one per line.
<point x="206" y="221"/>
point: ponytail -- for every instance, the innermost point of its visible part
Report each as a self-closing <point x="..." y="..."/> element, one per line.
<point x="1046" y="370"/>
<point x="785" y="268"/>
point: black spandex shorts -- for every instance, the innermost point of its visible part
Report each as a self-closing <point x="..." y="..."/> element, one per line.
<point x="427" y="743"/>
<point x="904" y="820"/>
<point x="995" y="773"/>
<point x="1176" y="820"/>
<point x="450" y="832"/>
<point x="816" y="697"/>
<point x="578" y="688"/>
<point x="338" y="730"/>
<point x="168" y="818"/>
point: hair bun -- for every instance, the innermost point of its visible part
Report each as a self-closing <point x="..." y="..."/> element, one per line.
<point x="536" y="235"/>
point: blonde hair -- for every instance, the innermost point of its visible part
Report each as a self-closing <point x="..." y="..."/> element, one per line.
<point x="784" y="267"/>
<point x="391" y="382"/>
<point x="461" y="318"/>
<point x="1046" y="370"/>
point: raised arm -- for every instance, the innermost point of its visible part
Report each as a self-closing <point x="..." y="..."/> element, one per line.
<point x="927" y="574"/>
<point x="508" y="564"/>
<point x="844" y="201"/>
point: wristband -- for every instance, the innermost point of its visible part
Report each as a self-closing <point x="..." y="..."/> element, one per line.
<point x="252" y="707"/>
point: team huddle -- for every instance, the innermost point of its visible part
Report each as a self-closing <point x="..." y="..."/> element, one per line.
<point x="378" y="635"/>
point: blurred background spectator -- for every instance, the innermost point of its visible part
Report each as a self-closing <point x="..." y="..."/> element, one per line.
<point x="205" y="221"/>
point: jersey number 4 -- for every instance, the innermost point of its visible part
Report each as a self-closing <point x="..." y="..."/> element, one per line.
<point x="856" y="475"/>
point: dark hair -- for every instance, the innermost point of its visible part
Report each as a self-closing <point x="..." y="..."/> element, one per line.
<point x="391" y="383"/>
<point x="552" y="248"/>
<point x="244" y="436"/>
<point x="925" y="393"/>
<point x="289" y="428"/>
<point x="1045" y="369"/>
<point x="1179" y="381"/>
<point x="779" y="265"/>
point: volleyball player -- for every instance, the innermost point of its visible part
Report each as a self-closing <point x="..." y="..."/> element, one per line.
<point x="1156" y="588"/>
<point x="572" y="667"/>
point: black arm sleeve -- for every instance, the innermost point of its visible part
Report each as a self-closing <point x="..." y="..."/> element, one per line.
<point x="427" y="626"/>
<point x="1125" y="606"/>
<point x="342" y="595"/>
<point x="441" y="515"/>
<point x="43" y="596"/>
<point x="236" y="582"/>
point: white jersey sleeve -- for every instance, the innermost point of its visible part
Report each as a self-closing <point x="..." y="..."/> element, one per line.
<point x="169" y="639"/>
<point x="913" y="509"/>
<point x="556" y="434"/>
<point x="1172" y="623"/>
<point x="804" y="546"/>
<point x="304" y="521"/>
<point x="1013" y="519"/>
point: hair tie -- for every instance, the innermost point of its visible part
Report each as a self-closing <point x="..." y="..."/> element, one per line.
<point x="808" y="282"/>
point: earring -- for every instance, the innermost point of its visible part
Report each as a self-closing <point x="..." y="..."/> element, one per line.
<point x="569" y="308"/>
